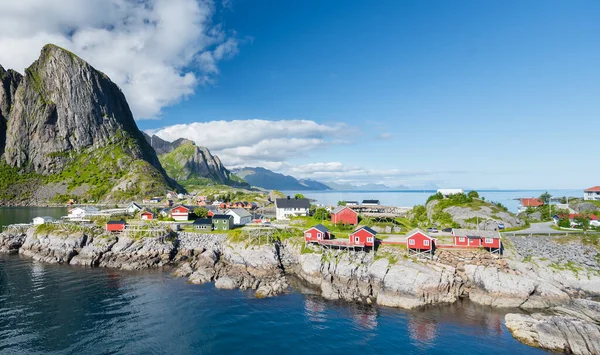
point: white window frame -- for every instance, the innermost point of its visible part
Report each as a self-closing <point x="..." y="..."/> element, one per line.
<point x="370" y="239"/>
<point x="426" y="242"/>
<point x="319" y="235"/>
<point x="489" y="240"/>
<point x="411" y="242"/>
<point x="356" y="239"/>
<point x="461" y="239"/>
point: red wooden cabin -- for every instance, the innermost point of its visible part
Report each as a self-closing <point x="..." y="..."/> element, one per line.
<point x="344" y="215"/>
<point x="317" y="233"/>
<point x="467" y="240"/>
<point x="491" y="242"/>
<point x="418" y="240"/>
<point x="180" y="213"/>
<point x="147" y="215"/>
<point x="115" y="226"/>
<point x="363" y="236"/>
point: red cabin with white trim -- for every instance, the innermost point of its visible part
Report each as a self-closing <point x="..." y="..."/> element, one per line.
<point x="467" y="240"/>
<point x="316" y="234"/>
<point x="491" y="242"/>
<point x="115" y="226"/>
<point x="419" y="240"/>
<point x="147" y="216"/>
<point x="344" y="215"/>
<point x="363" y="237"/>
<point x="180" y="213"/>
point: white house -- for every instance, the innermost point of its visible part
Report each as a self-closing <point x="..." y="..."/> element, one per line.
<point x="290" y="207"/>
<point x="448" y="192"/>
<point x="592" y="194"/>
<point x="43" y="220"/>
<point x="180" y="196"/>
<point x="240" y="216"/>
<point x="133" y="208"/>
<point x="82" y="212"/>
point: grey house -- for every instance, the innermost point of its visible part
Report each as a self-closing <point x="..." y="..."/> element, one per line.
<point x="222" y="222"/>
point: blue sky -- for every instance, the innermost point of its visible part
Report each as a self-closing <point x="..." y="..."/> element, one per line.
<point x="472" y="94"/>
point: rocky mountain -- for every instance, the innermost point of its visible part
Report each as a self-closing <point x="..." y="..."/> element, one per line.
<point x="192" y="165"/>
<point x="70" y="132"/>
<point x="267" y="179"/>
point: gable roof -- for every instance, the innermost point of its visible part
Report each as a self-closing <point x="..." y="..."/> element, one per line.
<point x="531" y="202"/>
<point x="339" y="209"/>
<point x="418" y="230"/>
<point x="240" y="212"/>
<point x="202" y="221"/>
<point x="592" y="216"/>
<point x="116" y="222"/>
<point x="292" y="203"/>
<point x="372" y="232"/>
<point x="321" y="228"/>
<point x="593" y="189"/>
<point x="134" y="204"/>
<point x="470" y="233"/>
<point x="222" y="216"/>
<point x="146" y="212"/>
<point x="177" y="206"/>
<point x="45" y="218"/>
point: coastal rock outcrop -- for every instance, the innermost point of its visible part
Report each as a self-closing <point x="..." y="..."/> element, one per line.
<point x="52" y="247"/>
<point x="10" y="243"/>
<point x="359" y="277"/>
<point x="556" y="333"/>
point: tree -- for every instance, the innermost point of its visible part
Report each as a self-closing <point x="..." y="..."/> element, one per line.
<point x="201" y="212"/>
<point x="298" y="196"/>
<point x="545" y="197"/>
<point x="321" y="214"/>
<point x="582" y="222"/>
<point x="473" y="194"/>
<point x="341" y="203"/>
<point x="563" y="200"/>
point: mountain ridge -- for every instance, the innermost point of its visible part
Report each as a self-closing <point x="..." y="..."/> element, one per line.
<point x="267" y="179"/>
<point x="77" y="135"/>
<point x="190" y="164"/>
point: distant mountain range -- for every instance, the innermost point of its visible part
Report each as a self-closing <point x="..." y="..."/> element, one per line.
<point x="336" y="186"/>
<point x="267" y="179"/>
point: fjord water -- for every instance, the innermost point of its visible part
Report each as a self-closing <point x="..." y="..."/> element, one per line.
<point x="409" y="198"/>
<point x="54" y="309"/>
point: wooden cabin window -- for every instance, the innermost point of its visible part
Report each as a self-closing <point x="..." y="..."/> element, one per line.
<point x="426" y="243"/>
<point x="489" y="240"/>
<point x="411" y="242"/>
<point x="461" y="239"/>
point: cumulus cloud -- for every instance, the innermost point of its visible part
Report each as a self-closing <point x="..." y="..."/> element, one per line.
<point x="257" y="142"/>
<point x="341" y="173"/>
<point x="157" y="51"/>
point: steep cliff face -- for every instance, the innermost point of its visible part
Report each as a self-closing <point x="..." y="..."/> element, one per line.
<point x="9" y="81"/>
<point x="72" y="126"/>
<point x="190" y="164"/>
<point x="64" y="105"/>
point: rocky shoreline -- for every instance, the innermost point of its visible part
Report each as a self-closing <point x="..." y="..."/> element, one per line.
<point x="555" y="295"/>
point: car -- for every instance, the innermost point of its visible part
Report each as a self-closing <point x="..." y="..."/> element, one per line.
<point x="447" y="230"/>
<point x="432" y="230"/>
<point x="501" y="226"/>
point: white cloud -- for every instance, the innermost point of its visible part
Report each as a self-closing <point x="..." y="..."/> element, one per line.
<point x="157" y="51"/>
<point x="341" y="173"/>
<point x="257" y="142"/>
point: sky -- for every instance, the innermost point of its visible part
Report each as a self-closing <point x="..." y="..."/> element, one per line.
<point x="411" y="94"/>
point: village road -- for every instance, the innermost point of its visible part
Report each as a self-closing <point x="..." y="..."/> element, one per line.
<point x="539" y="228"/>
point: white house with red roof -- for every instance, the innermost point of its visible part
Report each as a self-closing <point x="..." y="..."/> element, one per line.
<point x="529" y="202"/>
<point x="592" y="194"/>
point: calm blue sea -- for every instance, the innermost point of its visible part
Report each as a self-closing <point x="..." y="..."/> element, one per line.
<point x="52" y="309"/>
<point x="409" y="198"/>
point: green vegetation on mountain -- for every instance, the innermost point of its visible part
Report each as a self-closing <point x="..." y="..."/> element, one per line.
<point x="194" y="167"/>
